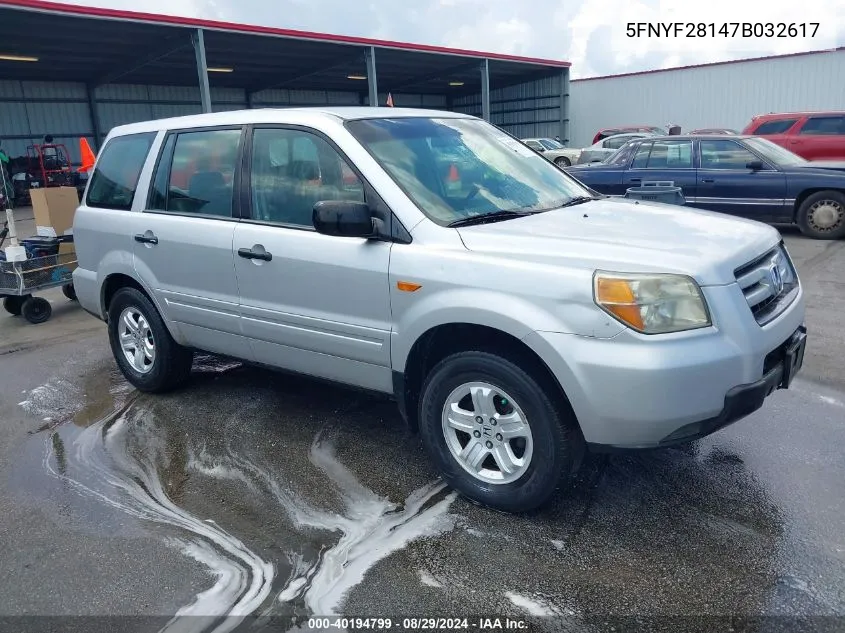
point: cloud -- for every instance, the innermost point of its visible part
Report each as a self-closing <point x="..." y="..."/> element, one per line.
<point x="592" y="34"/>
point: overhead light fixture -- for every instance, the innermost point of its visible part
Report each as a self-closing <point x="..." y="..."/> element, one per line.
<point x="360" y="77"/>
<point x="17" y="58"/>
<point x="456" y="83"/>
<point x="219" y="69"/>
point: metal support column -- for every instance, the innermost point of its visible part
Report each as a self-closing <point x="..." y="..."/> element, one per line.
<point x="372" y="78"/>
<point x="202" y="69"/>
<point x="485" y="89"/>
<point x="95" y="119"/>
<point x="564" y="106"/>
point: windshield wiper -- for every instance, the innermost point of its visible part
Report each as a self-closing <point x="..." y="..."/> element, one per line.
<point x="492" y="216"/>
<point x="577" y="200"/>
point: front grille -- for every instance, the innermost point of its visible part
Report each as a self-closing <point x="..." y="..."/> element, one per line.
<point x="769" y="284"/>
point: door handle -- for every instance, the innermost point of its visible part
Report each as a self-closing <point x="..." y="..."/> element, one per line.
<point x="708" y="180"/>
<point x="248" y="253"/>
<point x="146" y="239"/>
<point x="636" y="179"/>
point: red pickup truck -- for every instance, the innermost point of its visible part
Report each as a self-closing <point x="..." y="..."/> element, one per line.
<point x="811" y="135"/>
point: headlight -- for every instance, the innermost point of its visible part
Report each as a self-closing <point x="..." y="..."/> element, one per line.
<point x="650" y="303"/>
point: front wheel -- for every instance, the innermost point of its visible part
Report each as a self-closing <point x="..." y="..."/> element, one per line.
<point x="496" y="435"/>
<point x="147" y="355"/>
<point x="562" y="162"/>
<point x="36" y="310"/>
<point x="822" y="215"/>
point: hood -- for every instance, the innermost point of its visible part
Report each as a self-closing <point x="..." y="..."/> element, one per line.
<point x="621" y="235"/>
<point x="838" y="165"/>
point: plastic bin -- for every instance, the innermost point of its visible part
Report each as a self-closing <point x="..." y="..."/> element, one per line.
<point x="665" y="192"/>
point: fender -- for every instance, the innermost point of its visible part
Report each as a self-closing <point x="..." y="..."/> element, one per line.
<point x="473" y="306"/>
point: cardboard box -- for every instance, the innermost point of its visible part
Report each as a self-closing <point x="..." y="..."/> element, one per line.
<point x="54" y="208"/>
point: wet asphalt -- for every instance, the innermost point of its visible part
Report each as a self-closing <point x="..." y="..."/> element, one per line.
<point x="274" y="497"/>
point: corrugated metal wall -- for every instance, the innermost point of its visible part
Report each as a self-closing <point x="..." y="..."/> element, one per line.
<point x="29" y="110"/>
<point x="710" y="96"/>
<point x="525" y="110"/>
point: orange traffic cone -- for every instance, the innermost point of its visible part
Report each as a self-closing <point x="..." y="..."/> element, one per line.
<point x="88" y="158"/>
<point x="389" y="100"/>
<point x="453" y="179"/>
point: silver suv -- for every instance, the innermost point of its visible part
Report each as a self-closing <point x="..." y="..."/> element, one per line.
<point x="516" y="318"/>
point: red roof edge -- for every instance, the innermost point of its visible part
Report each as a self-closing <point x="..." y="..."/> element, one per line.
<point x="136" y="16"/>
<point x="725" y="63"/>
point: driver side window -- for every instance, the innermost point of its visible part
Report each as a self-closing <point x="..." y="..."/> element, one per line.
<point x="292" y="170"/>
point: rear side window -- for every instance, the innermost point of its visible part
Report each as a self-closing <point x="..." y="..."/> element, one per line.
<point x="774" y="127"/>
<point x="196" y="173"/>
<point x="115" y="179"/>
<point x="824" y="126"/>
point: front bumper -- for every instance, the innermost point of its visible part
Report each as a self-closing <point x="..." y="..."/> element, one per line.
<point x="742" y="400"/>
<point x="633" y="391"/>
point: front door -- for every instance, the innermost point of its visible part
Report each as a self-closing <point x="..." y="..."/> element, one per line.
<point x="727" y="185"/>
<point x="310" y="303"/>
<point x="183" y="239"/>
<point x="663" y="161"/>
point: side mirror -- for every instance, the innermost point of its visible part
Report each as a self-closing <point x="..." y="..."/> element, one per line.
<point x="343" y="218"/>
<point x="754" y="165"/>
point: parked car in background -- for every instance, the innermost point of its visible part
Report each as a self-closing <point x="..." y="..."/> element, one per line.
<point x="812" y="135"/>
<point x="604" y="148"/>
<point x="613" y="131"/>
<point x="554" y="151"/>
<point x="740" y="175"/>
<point x="715" y="130"/>
<point x="514" y="330"/>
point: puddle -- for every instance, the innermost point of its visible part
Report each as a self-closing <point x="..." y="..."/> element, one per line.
<point x="213" y="496"/>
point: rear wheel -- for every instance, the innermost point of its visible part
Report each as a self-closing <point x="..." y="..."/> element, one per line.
<point x="563" y="161"/>
<point x="13" y="305"/>
<point x="69" y="292"/>
<point x="822" y="215"/>
<point x="495" y="434"/>
<point x="144" y="350"/>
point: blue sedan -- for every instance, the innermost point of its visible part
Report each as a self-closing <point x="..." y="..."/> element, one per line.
<point x="739" y="175"/>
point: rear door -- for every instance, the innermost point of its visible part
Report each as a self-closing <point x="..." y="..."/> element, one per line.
<point x="665" y="161"/>
<point x="777" y="130"/>
<point x="819" y="138"/>
<point x="727" y="185"/>
<point x="311" y="303"/>
<point x="183" y="238"/>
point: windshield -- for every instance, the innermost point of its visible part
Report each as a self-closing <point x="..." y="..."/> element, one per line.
<point x="456" y="168"/>
<point x="774" y="153"/>
<point x="550" y="144"/>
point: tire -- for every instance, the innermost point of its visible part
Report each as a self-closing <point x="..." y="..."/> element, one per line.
<point x="166" y="364"/>
<point x="822" y="215"/>
<point x="562" y="162"/>
<point x="69" y="291"/>
<point x="36" y="310"/>
<point x="556" y="444"/>
<point x="13" y="305"/>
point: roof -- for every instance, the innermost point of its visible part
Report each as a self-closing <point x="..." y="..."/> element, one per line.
<point x="774" y="115"/>
<point x="281" y="115"/>
<point x="144" y="48"/>
<point x="708" y="65"/>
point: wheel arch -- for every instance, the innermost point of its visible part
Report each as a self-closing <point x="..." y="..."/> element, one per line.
<point x="442" y="340"/>
<point x="114" y="282"/>
<point x="806" y="193"/>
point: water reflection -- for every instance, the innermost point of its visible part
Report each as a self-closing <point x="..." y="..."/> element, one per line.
<point x="271" y="483"/>
<point x="142" y="458"/>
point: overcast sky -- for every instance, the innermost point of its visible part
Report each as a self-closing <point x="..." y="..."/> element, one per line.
<point x="589" y="33"/>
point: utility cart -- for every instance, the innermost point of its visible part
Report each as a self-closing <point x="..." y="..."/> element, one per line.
<point x="31" y="265"/>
